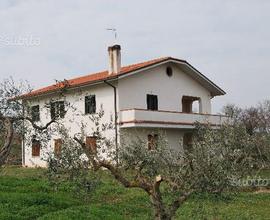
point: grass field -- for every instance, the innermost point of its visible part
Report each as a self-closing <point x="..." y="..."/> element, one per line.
<point x="26" y="194"/>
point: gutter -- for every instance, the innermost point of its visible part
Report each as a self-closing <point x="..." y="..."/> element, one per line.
<point x="115" y="118"/>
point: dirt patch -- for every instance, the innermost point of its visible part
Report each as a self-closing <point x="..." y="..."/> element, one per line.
<point x="262" y="191"/>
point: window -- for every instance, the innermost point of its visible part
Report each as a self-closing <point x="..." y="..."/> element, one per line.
<point x="57" y="109"/>
<point x="152" y="141"/>
<point x="91" y="144"/>
<point x="57" y="147"/>
<point x="36" y="148"/>
<point x="152" y="102"/>
<point x="35" y="113"/>
<point x="187" y="141"/>
<point x="90" y="104"/>
<point x="169" y="71"/>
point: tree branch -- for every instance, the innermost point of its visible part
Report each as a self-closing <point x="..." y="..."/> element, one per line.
<point x="116" y="172"/>
<point x="34" y="125"/>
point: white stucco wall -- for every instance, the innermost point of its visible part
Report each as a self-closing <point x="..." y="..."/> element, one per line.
<point x="173" y="136"/>
<point x="133" y="89"/>
<point x="73" y="119"/>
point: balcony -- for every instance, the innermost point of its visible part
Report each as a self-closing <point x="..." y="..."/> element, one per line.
<point x="167" y="119"/>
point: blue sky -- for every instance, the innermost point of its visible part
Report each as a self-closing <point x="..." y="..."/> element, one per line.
<point x="228" y="40"/>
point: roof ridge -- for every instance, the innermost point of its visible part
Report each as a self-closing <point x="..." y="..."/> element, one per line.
<point x="126" y="66"/>
<point x="152" y="60"/>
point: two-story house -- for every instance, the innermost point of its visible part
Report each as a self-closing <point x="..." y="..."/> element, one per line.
<point x="165" y="93"/>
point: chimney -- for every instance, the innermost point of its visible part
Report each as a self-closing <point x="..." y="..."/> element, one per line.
<point x="114" y="59"/>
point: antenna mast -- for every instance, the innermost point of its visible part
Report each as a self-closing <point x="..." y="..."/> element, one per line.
<point x="114" y="32"/>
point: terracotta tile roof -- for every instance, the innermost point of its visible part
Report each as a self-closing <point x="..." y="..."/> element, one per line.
<point x="92" y="78"/>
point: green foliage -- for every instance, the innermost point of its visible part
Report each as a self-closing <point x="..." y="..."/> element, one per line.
<point x="71" y="168"/>
<point x="218" y="156"/>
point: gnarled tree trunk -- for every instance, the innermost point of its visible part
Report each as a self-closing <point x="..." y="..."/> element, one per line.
<point x="5" y="150"/>
<point x="159" y="208"/>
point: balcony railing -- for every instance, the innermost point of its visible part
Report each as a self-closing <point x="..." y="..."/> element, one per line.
<point x="167" y="119"/>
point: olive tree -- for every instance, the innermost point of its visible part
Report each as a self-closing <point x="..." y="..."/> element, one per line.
<point x="170" y="176"/>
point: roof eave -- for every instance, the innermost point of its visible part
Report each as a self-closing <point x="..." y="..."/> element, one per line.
<point x="46" y="93"/>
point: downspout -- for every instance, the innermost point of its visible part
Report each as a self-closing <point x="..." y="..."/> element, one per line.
<point x="23" y="138"/>
<point x="115" y="119"/>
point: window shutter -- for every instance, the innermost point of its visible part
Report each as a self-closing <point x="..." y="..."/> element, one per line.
<point x="93" y="104"/>
<point x="35" y="113"/>
<point x="90" y="104"/>
<point x="58" y="109"/>
<point x="86" y="104"/>
<point x="57" y="147"/>
<point x="187" y="141"/>
<point x="152" y="102"/>
<point x="53" y="110"/>
<point x="35" y="148"/>
<point x="155" y="99"/>
<point x="91" y="144"/>
<point x="152" y="141"/>
<point x="148" y="102"/>
<point x="61" y="109"/>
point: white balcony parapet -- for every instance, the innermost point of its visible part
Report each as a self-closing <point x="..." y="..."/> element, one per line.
<point x="167" y="119"/>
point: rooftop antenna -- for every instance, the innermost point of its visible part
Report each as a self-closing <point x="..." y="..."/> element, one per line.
<point x="114" y="32"/>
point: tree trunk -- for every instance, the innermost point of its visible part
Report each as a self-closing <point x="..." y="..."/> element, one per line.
<point x="159" y="208"/>
<point x="159" y="215"/>
<point x="4" y="152"/>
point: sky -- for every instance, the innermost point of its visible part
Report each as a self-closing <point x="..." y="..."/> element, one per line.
<point x="228" y="41"/>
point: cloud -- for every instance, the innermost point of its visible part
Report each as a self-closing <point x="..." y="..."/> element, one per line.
<point x="226" y="40"/>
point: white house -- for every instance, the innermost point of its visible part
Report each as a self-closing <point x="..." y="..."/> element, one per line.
<point x="165" y="93"/>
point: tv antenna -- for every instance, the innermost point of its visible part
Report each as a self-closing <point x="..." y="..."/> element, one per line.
<point x="114" y="32"/>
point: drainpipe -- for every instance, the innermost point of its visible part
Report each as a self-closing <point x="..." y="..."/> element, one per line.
<point x="115" y="119"/>
<point x="23" y="139"/>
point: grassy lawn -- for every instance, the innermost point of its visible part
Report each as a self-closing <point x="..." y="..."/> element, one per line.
<point x="26" y="194"/>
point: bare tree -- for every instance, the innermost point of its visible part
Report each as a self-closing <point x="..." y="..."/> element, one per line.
<point x="256" y="119"/>
<point x="264" y="113"/>
<point x="13" y="114"/>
